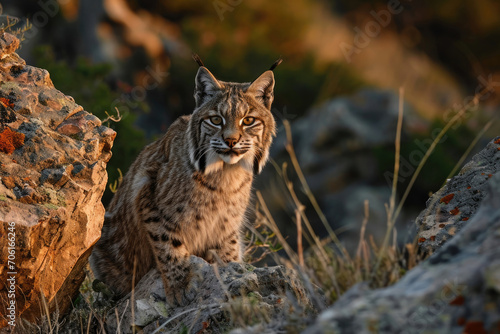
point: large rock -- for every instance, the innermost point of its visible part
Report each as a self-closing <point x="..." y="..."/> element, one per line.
<point x="457" y="290"/>
<point x="451" y="208"/>
<point x="226" y="297"/>
<point x="53" y="158"/>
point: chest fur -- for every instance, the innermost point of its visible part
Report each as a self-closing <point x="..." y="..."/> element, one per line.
<point x="202" y="210"/>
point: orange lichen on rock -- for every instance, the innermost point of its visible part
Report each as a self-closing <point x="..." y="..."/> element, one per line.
<point x="497" y="141"/>
<point x="475" y="327"/>
<point x="465" y="219"/>
<point x="433" y="238"/>
<point x="421" y="240"/>
<point x="469" y="187"/>
<point x="447" y="198"/>
<point x="10" y="140"/>
<point x="455" y="211"/>
<point x="6" y="102"/>
<point x="9" y="182"/>
<point x="459" y="300"/>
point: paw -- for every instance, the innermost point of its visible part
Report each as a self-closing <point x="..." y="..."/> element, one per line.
<point x="191" y="291"/>
<point x="181" y="294"/>
<point x="175" y="297"/>
<point x="183" y="291"/>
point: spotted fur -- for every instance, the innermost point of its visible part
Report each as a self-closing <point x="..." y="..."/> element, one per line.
<point x="187" y="193"/>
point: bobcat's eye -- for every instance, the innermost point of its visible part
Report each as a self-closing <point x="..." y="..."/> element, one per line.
<point x="216" y="120"/>
<point x="248" y="120"/>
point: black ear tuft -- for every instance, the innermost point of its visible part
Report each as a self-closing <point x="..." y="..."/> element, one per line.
<point x="276" y="63"/>
<point x="197" y="59"/>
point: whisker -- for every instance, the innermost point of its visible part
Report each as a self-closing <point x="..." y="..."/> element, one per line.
<point x="216" y="144"/>
<point x="201" y="150"/>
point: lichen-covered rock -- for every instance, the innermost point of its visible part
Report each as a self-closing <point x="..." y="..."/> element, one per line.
<point x="457" y="290"/>
<point x="225" y="297"/>
<point x="452" y="207"/>
<point x="53" y="157"/>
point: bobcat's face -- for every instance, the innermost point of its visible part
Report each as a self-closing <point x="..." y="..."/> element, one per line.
<point x="232" y="123"/>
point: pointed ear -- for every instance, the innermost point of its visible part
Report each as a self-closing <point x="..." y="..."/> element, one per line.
<point x="205" y="86"/>
<point x="263" y="89"/>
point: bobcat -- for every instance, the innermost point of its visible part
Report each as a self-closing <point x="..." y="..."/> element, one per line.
<point x="187" y="193"/>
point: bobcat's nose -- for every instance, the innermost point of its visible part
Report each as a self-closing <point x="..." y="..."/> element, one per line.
<point x="230" y="141"/>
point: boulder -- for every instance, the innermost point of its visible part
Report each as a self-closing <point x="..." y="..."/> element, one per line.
<point x="226" y="296"/>
<point x="457" y="290"/>
<point x="53" y="157"/>
<point x="451" y="208"/>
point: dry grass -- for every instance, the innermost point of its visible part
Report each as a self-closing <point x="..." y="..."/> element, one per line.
<point x="10" y="23"/>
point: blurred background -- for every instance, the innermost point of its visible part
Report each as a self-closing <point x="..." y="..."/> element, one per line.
<point x="344" y="63"/>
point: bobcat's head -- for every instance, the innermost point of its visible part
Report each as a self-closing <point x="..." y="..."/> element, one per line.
<point x="232" y="123"/>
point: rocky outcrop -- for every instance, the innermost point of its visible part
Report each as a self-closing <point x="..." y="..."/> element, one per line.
<point x="227" y="296"/>
<point x="457" y="290"/>
<point x="451" y="208"/>
<point x="53" y="157"/>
